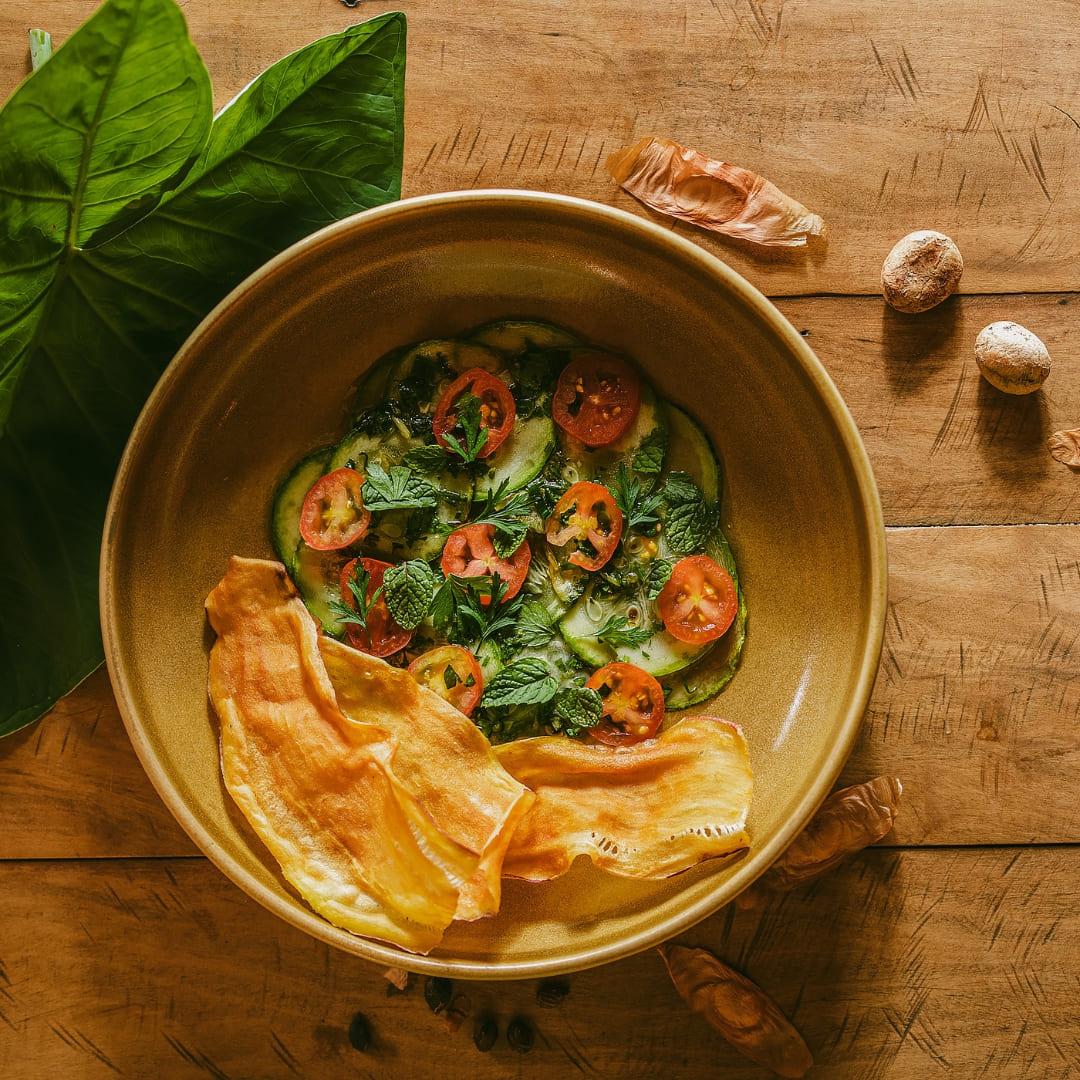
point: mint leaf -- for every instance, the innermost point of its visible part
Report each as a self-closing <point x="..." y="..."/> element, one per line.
<point x="408" y="589"/>
<point x="655" y="577"/>
<point x="575" y="709"/>
<point x="649" y="458"/>
<point x="689" y="521"/>
<point x="523" y="682"/>
<point x="429" y="460"/>
<point x="535" y="626"/>
<point x="398" y="489"/>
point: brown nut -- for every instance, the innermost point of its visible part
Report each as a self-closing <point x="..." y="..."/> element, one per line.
<point x="923" y="269"/>
<point x="1011" y="358"/>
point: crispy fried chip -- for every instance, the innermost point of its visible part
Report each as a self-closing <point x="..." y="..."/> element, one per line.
<point x="647" y="811"/>
<point x="318" y="788"/>
<point x="442" y="758"/>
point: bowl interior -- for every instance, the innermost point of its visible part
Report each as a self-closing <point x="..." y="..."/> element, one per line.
<point x="266" y="378"/>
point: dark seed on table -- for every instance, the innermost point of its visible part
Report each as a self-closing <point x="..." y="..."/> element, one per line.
<point x="520" y="1036"/>
<point x="551" y="993"/>
<point x="360" y="1032"/>
<point x="485" y="1033"/>
<point x="437" y="993"/>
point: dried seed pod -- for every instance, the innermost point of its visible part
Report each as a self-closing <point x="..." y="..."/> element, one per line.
<point x="923" y="269"/>
<point x="359" y="1033"/>
<point x="520" y="1035"/>
<point x="551" y="993"/>
<point x="437" y="993"/>
<point x="1064" y="446"/>
<point x="739" y="1009"/>
<point x="685" y="184"/>
<point x="847" y="821"/>
<point x="485" y="1033"/>
<point x="457" y="1012"/>
<point x="1011" y="358"/>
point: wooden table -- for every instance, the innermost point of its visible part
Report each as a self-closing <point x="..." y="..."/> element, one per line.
<point x="953" y="948"/>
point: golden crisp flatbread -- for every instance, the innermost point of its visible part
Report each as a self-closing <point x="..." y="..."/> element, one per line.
<point x="318" y="788"/>
<point x="442" y="758"/>
<point x="644" y="811"/>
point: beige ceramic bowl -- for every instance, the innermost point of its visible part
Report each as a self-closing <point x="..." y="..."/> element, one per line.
<point x="264" y="378"/>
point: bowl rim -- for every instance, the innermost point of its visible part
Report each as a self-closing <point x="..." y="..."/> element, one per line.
<point x="849" y="723"/>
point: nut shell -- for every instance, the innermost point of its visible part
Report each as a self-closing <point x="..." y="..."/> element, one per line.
<point x="923" y="269"/>
<point x="1011" y="358"/>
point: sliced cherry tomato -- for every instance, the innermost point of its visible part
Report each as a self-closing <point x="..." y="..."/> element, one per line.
<point x="699" y="601"/>
<point x="497" y="408"/>
<point x="586" y="517"/>
<point x="333" y="514"/>
<point x="470" y="552"/>
<point x="383" y="636"/>
<point x="453" y="673"/>
<point x="596" y="398"/>
<point x="633" y="704"/>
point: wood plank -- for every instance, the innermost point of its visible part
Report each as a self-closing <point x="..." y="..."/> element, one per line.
<point x="945" y="446"/>
<point x="899" y="964"/>
<point x="975" y="708"/>
<point x="882" y="118"/>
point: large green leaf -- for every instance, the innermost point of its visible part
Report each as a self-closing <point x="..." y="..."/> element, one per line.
<point x="116" y="244"/>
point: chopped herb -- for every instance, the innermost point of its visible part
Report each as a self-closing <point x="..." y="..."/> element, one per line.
<point x="459" y="610"/>
<point x="398" y="489"/>
<point x="450" y="677"/>
<point x="474" y="435"/>
<point x="506" y="520"/>
<point x="619" y="634"/>
<point x="636" y="499"/>
<point x="359" y="583"/>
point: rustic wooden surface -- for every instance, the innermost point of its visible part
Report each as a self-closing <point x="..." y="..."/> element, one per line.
<point x="951" y="950"/>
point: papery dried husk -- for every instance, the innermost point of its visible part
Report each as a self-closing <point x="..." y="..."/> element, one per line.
<point x="685" y="184"/>
<point x="738" y="1008"/>
<point x="848" y="821"/>
<point x="1064" y="446"/>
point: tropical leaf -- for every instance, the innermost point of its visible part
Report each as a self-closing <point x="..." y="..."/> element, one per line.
<point x="126" y="213"/>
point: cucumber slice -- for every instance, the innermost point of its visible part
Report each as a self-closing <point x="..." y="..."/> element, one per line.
<point x="359" y="447"/>
<point x="317" y="574"/>
<point x="690" y="451"/>
<point x="709" y="675"/>
<point x="373" y="386"/>
<point x="520" y="458"/>
<point x="585" y="464"/>
<point x="511" y="337"/>
<point x="661" y="654"/>
<point x="444" y="359"/>
<point x="288" y="500"/>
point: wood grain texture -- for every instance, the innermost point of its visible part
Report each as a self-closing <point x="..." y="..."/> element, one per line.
<point x="882" y="118"/>
<point x="900" y="964"/>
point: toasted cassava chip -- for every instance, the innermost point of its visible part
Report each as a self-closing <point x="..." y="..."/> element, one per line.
<point x="647" y="811"/>
<point x="442" y="758"/>
<point x="320" y="789"/>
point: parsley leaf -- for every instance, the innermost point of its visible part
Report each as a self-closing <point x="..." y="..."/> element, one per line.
<point x="619" y="634"/>
<point x="522" y="682"/>
<point x="649" y="458"/>
<point x="474" y="434"/>
<point x="507" y="520"/>
<point x="459" y="610"/>
<point x="407" y="589"/>
<point x="359" y="583"/>
<point x="636" y="499"/>
<point x="398" y="489"/>
<point x="575" y="709"/>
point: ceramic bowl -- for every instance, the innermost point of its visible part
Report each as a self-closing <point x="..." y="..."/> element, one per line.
<point x="265" y="377"/>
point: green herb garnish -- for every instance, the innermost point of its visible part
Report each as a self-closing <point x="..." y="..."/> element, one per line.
<point x="619" y="634"/>
<point x="359" y="582"/>
<point x="474" y="434"/>
<point x="408" y="589"/>
<point x="575" y="709"/>
<point x="522" y="682"/>
<point x="636" y="499"/>
<point x="398" y="489"/>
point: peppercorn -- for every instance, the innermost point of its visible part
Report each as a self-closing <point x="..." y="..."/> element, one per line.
<point x="551" y="993"/>
<point x="438" y="993"/>
<point x="520" y="1036"/>
<point x="485" y="1033"/>
<point x="360" y="1032"/>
